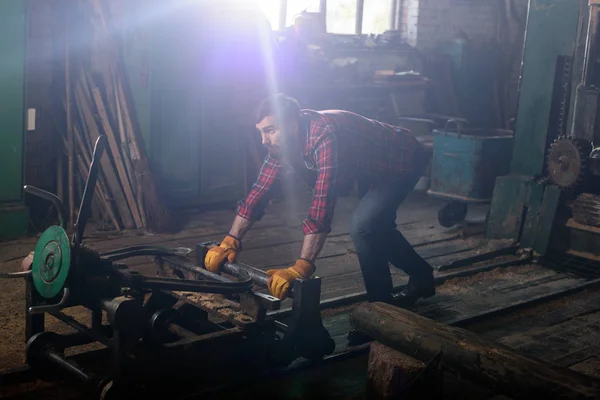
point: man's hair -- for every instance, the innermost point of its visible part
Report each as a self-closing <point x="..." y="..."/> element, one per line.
<point x="284" y="108"/>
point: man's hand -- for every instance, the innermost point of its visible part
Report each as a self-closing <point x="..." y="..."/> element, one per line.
<point x="281" y="280"/>
<point x="226" y="251"/>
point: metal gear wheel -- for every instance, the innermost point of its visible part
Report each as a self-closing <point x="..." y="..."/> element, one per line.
<point x="567" y="161"/>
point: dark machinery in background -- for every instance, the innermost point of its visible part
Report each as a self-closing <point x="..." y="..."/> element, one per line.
<point x="550" y="200"/>
<point x="573" y="159"/>
<point x="193" y="324"/>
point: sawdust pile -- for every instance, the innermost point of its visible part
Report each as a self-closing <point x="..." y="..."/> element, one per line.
<point x="217" y="303"/>
<point x="516" y="274"/>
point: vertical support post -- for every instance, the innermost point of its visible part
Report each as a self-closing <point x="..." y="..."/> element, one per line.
<point x="282" y="14"/>
<point x="34" y="323"/>
<point x="70" y="133"/>
<point x="360" y="8"/>
<point x="306" y="333"/>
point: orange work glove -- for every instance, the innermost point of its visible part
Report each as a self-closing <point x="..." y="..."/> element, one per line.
<point x="281" y="280"/>
<point x="226" y="251"/>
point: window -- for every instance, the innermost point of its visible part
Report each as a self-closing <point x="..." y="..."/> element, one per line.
<point x="341" y="16"/>
<point x="295" y="7"/>
<point x="271" y="10"/>
<point x="377" y="16"/>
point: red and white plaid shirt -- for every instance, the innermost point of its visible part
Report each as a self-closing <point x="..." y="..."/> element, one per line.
<point x="340" y="146"/>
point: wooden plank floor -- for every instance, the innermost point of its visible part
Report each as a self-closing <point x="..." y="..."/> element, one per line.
<point x="564" y="331"/>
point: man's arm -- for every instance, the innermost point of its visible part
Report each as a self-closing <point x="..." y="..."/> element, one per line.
<point x="317" y="225"/>
<point x="240" y="226"/>
<point x="253" y="207"/>
<point x="312" y="246"/>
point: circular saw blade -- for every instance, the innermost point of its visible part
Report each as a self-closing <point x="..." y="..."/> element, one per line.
<point x="566" y="161"/>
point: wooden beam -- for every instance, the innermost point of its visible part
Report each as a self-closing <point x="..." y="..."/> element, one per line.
<point x="472" y="356"/>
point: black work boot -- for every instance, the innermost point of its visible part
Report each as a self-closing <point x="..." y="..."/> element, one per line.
<point x="419" y="286"/>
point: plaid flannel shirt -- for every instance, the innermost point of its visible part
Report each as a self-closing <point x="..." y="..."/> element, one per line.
<point x="340" y="146"/>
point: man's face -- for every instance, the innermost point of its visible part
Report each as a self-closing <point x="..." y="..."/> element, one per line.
<point x="277" y="138"/>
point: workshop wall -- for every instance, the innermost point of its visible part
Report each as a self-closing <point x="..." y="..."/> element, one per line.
<point x="493" y="31"/>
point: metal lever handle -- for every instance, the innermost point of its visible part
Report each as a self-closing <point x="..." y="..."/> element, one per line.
<point x="135" y="251"/>
<point x="62" y="213"/>
<point x="52" y="307"/>
<point x="88" y="193"/>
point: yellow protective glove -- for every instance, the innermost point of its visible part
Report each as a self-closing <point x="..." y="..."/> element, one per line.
<point x="281" y="280"/>
<point x="226" y="251"/>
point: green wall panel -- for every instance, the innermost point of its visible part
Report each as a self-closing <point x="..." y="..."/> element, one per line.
<point x="13" y="16"/>
<point x="551" y="32"/>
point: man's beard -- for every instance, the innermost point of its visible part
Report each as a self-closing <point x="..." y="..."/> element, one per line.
<point x="275" y="151"/>
<point x="287" y="154"/>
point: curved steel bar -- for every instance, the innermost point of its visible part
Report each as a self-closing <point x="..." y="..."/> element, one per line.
<point x="15" y="275"/>
<point x="52" y="307"/>
<point x="60" y="208"/>
<point x="136" y="251"/>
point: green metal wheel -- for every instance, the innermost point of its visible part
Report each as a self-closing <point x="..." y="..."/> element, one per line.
<point x="51" y="262"/>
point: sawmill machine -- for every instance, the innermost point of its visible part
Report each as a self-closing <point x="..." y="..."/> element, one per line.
<point x="550" y="201"/>
<point x="157" y="331"/>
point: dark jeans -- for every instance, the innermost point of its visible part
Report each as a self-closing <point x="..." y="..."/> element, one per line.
<point x="378" y="242"/>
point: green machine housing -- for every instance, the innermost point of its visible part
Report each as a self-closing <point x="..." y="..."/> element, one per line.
<point x="550" y="200"/>
<point x="14" y="216"/>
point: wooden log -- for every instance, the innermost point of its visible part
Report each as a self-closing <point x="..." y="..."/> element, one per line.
<point x="390" y="372"/>
<point x="472" y="356"/>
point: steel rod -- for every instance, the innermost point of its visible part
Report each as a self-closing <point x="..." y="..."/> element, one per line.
<point x="69" y="366"/>
<point x="153" y="283"/>
<point x="186" y="266"/>
<point x="478" y="258"/>
<point x="73" y="323"/>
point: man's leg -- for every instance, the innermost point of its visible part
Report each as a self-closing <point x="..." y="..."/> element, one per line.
<point x="367" y="235"/>
<point x="373" y="231"/>
<point x="402" y="255"/>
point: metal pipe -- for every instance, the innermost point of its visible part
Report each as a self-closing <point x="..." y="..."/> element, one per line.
<point x="154" y="283"/>
<point x="236" y="269"/>
<point x="186" y="266"/>
<point x="81" y="328"/>
<point x="69" y="366"/>
<point x="60" y="207"/>
<point x="259" y="277"/>
<point x="180" y="331"/>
